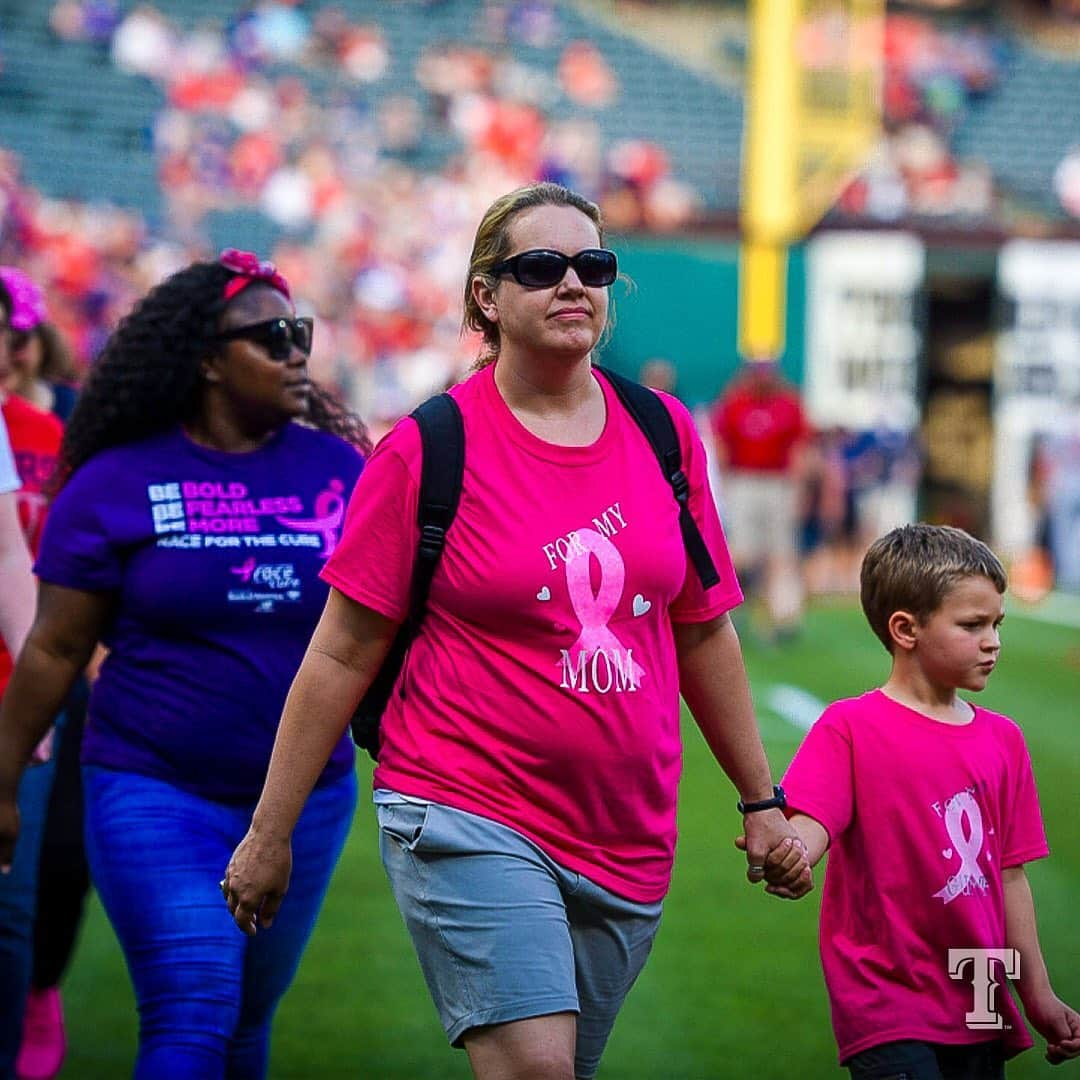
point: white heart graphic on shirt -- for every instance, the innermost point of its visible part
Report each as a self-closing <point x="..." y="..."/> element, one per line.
<point x="544" y="594"/>
<point x="947" y="852"/>
<point x="641" y="605"/>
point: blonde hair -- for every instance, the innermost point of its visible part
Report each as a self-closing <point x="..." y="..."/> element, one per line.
<point x="492" y="245"/>
<point x="914" y="567"/>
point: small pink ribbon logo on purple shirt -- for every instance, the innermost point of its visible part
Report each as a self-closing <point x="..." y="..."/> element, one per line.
<point x="967" y="843"/>
<point x="329" y="511"/>
<point x="594" y="610"/>
<point x="245" y="569"/>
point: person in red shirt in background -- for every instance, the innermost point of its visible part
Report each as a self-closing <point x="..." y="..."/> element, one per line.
<point x="35" y="434"/>
<point x="35" y="442"/>
<point x="759" y="429"/>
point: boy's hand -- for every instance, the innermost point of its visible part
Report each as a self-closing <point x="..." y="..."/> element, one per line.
<point x="1059" y="1025"/>
<point x="787" y="870"/>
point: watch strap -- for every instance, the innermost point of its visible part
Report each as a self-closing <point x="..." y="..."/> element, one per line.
<point x="777" y="802"/>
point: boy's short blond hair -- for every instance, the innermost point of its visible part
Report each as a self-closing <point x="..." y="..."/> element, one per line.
<point x="914" y="567"/>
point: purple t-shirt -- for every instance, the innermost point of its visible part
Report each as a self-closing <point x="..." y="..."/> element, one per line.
<point x="214" y="561"/>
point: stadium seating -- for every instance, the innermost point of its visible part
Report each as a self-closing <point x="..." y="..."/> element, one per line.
<point x="1025" y="127"/>
<point x="82" y="127"/>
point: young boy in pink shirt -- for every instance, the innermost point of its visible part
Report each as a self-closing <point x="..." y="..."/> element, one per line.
<point x="927" y="805"/>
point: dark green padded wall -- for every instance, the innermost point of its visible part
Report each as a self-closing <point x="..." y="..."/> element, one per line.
<point x="684" y="309"/>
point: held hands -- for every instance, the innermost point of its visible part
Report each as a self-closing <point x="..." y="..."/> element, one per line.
<point x="775" y="854"/>
<point x="256" y="880"/>
<point x="1059" y="1025"/>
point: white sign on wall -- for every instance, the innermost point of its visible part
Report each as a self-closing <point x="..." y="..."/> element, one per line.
<point x="1037" y="399"/>
<point x="863" y="340"/>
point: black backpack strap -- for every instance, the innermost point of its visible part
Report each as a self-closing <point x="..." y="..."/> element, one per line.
<point x="442" y="438"/>
<point x="651" y="415"/>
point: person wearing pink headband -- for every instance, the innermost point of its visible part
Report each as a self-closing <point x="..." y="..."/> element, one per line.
<point x="27" y="301"/>
<point x="250" y="268"/>
<point x="42" y="368"/>
<point x="38" y="394"/>
<point x="204" y="482"/>
<point x="32" y="437"/>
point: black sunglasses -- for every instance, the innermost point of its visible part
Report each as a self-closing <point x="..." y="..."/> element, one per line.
<point x="277" y="336"/>
<point x="539" y="269"/>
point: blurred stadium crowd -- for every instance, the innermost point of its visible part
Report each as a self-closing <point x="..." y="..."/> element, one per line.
<point x="363" y="172"/>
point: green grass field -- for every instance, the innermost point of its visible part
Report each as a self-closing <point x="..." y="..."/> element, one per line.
<point x="733" y="988"/>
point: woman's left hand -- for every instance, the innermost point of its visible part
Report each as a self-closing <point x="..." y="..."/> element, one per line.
<point x="256" y="880"/>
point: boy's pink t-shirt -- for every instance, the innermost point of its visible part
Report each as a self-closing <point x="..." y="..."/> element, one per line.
<point x="542" y="691"/>
<point x="923" y="817"/>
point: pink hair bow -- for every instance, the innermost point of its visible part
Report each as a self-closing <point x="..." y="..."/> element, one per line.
<point x="250" y="268"/>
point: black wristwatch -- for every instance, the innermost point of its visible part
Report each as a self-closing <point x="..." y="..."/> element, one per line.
<point x="777" y="802"/>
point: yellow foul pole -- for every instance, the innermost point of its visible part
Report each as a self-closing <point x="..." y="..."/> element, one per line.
<point x="768" y="178"/>
<point x="812" y="117"/>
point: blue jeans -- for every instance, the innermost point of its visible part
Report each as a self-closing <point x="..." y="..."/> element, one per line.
<point x="18" y="899"/>
<point x="206" y="993"/>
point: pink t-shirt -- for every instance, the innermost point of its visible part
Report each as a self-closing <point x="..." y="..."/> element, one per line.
<point x="542" y="691"/>
<point x="923" y="818"/>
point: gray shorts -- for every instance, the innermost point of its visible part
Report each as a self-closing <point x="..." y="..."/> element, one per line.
<point x="503" y="933"/>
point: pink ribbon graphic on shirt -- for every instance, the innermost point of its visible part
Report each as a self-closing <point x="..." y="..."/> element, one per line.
<point x="329" y="510"/>
<point x="594" y="610"/>
<point x="967" y="843"/>
<point x="245" y="569"/>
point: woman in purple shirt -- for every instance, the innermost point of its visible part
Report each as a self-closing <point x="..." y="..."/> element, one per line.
<point x="204" y="486"/>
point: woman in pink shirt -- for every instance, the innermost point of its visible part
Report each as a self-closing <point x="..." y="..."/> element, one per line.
<point x="530" y="751"/>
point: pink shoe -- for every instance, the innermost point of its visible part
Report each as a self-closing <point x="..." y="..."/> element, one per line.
<point x="43" y="1041"/>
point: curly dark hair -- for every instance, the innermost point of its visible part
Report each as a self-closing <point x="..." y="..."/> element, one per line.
<point x="147" y="377"/>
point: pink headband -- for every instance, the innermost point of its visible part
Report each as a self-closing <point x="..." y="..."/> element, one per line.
<point x="249" y="269"/>
<point x="27" y="303"/>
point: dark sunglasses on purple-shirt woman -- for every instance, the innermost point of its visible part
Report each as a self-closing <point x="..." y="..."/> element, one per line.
<point x="277" y="336"/>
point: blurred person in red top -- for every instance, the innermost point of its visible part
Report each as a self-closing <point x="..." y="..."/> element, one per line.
<point x="759" y="429"/>
<point x="35" y="442"/>
<point x="35" y="385"/>
<point x="33" y="432"/>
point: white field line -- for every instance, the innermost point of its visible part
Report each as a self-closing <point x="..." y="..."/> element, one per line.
<point x="797" y="706"/>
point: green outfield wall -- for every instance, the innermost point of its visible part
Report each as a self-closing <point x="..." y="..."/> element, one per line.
<point x="683" y="308"/>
